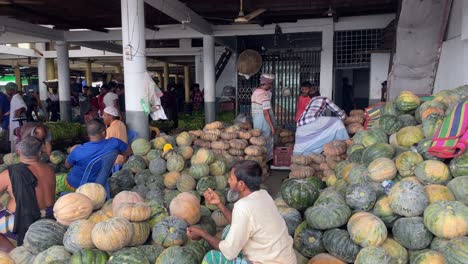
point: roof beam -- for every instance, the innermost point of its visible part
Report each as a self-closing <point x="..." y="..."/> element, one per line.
<point x="28" y="29"/>
<point x="102" y="45"/>
<point x="183" y="14"/>
<point x="18" y="51"/>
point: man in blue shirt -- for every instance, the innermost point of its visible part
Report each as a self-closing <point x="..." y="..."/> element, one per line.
<point x="4" y="117"/>
<point x="82" y="155"/>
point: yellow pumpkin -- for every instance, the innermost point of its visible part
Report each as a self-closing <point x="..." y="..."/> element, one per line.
<point x="126" y="197"/>
<point x="72" y="207"/>
<point x="436" y="193"/>
<point x="366" y="229"/>
<point x="95" y="192"/>
<point x="112" y="234"/>
<point x="382" y="169"/>
<point x="324" y="258"/>
<point x="99" y="216"/>
<point x="187" y="207"/>
<point x="170" y="179"/>
<point x="141" y="232"/>
<point x="134" y="212"/>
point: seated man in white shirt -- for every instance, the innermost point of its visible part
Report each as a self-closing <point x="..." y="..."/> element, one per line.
<point x="257" y="229"/>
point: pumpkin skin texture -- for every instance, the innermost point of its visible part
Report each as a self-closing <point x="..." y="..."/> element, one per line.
<point x="170" y="232"/>
<point x="308" y="241"/>
<point x="52" y="255"/>
<point x="411" y="233"/>
<point x="187" y="207"/>
<point x="382" y="169"/>
<point x="429" y="256"/>
<point x="291" y="216"/>
<point x="205" y="183"/>
<point x="175" y="162"/>
<point x="360" y="197"/>
<point x="126" y="197"/>
<point x="130" y="255"/>
<point x="100" y="216"/>
<point x="369" y="137"/>
<point x="22" y="255"/>
<point x="358" y="174"/>
<point x="72" y="207"/>
<point x="397" y="252"/>
<point x="199" y="170"/>
<point x="373" y="255"/>
<point x="135" y="164"/>
<point x="203" y="156"/>
<point x="95" y="192"/>
<point x="158" y="212"/>
<point x="112" y="234"/>
<point x="383" y="211"/>
<point x="157" y="166"/>
<point x="78" y="236"/>
<point x="299" y="193"/>
<point x="432" y="172"/>
<point x="324" y="258"/>
<point x="140" y="146"/>
<point x="377" y="150"/>
<point x="423" y="147"/>
<point x="390" y="124"/>
<point x="410" y="135"/>
<point x="89" y="256"/>
<point x="407" y="198"/>
<point x="407" y="101"/>
<point x="406" y="163"/>
<point x="135" y="212"/>
<point x="456" y="250"/>
<point x="185" y="183"/>
<point x="431" y="124"/>
<point x="141" y="232"/>
<point x="365" y="229"/>
<point x="439" y="244"/>
<point x="330" y="195"/>
<point x="338" y="243"/>
<point x="43" y="234"/>
<point x="177" y="255"/>
<point x="459" y="166"/>
<point x="327" y="216"/>
<point x="447" y="219"/>
<point x="459" y="187"/>
<point x="408" y="120"/>
<point x="438" y="193"/>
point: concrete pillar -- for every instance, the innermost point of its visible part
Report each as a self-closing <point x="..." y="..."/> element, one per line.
<point x="16" y="69"/>
<point x="187" y="83"/>
<point x="199" y="71"/>
<point x="50" y="68"/>
<point x="89" y="73"/>
<point x="209" y="77"/>
<point x="133" y="20"/>
<point x="64" y="80"/>
<point x="166" y="75"/>
<point x="326" y="61"/>
<point x="42" y="73"/>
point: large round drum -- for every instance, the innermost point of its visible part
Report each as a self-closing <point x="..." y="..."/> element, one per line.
<point x="249" y="63"/>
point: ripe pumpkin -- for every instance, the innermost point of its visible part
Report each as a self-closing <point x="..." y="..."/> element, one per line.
<point x="382" y="169"/>
<point x="428" y="108"/>
<point x="376" y="151"/>
<point x="459" y="166"/>
<point x="459" y="187"/>
<point x="406" y="163"/>
<point x="299" y="193"/>
<point x="327" y="216"/>
<point x="218" y="168"/>
<point x="411" y="233"/>
<point x="338" y="243"/>
<point x="365" y="229"/>
<point x="135" y="164"/>
<point x="22" y="255"/>
<point x="358" y="174"/>
<point x="397" y="252"/>
<point x="308" y="241"/>
<point x="383" y="211"/>
<point x="134" y="212"/>
<point x="369" y="137"/>
<point x="433" y="172"/>
<point x="203" y="156"/>
<point x="205" y="183"/>
<point x="72" y="207"/>
<point x="175" y="162"/>
<point x="95" y="192"/>
<point x="140" y="146"/>
<point x="100" y="216"/>
<point x="431" y="124"/>
<point x="447" y="219"/>
<point x="169" y="232"/>
<point x="407" y="101"/>
<point x="184" y="139"/>
<point x="126" y="197"/>
<point x="373" y="255"/>
<point x="324" y="258"/>
<point x="112" y="234"/>
<point x="43" y="234"/>
<point x="291" y="216"/>
<point x="158" y="212"/>
<point x="141" y="232"/>
<point x="407" y="198"/>
<point x="410" y="135"/>
<point x="390" y="124"/>
<point x="437" y="193"/>
<point x="185" y="152"/>
<point x="170" y="179"/>
<point x="52" y="255"/>
<point x="361" y="197"/>
<point x="423" y="147"/>
<point x="185" y="183"/>
<point x="199" y="170"/>
<point x="78" y="236"/>
<point x="456" y="250"/>
<point x="187" y="207"/>
<point x="429" y="256"/>
<point x="334" y="148"/>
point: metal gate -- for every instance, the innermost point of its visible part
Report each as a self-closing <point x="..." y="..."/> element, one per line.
<point x="291" y="67"/>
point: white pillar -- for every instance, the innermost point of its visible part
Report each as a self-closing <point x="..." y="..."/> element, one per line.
<point x="326" y="61"/>
<point x="199" y="71"/>
<point x="64" y="80"/>
<point x="209" y="77"/>
<point x="42" y="73"/>
<point x="134" y="58"/>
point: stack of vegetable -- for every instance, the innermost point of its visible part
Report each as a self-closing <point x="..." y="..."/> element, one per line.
<point x="354" y="122"/>
<point x="65" y="130"/>
<point x="286" y="137"/>
<point x="361" y="218"/>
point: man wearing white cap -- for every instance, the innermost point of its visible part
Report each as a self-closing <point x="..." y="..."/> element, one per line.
<point x="115" y="128"/>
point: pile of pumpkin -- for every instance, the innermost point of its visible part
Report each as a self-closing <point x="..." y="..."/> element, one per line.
<point x="353" y="215"/>
<point x="355" y="121"/>
<point x="286" y="137"/>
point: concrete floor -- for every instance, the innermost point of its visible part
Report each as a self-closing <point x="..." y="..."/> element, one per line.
<point x="274" y="181"/>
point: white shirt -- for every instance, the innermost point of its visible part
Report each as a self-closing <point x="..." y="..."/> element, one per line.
<point x="259" y="231"/>
<point x="109" y="99"/>
<point x="16" y="103"/>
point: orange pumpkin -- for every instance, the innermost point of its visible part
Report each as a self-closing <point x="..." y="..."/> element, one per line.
<point x="366" y="229"/>
<point x="126" y="197"/>
<point x="437" y="193"/>
<point x="135" y="212"/>
<point x="187" y="207"/>
<point x="99" y="216"/>
<point x="382" y="169"/>
<point x="324" y="258"/>
<point x="334" y="148"/>
<point x="141" y="232"/>
<point x="112" y="234"/>
<point x="72" y="207"/>
<point x="78" y="236"/>
<point x="170" y="179"/>
<point x="95" y="192"/>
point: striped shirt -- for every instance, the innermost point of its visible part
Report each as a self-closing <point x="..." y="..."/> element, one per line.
<point x="316" y="108"/>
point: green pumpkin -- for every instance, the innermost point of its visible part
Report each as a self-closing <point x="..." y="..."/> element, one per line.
<point x="369" y="137"/>
<point x="390" y="109"/>
<point x="205" y="183"/>
<point x="316" y="182"/>
<point x="340" y="167"/>
<point x="408" y="120"/>
<point x="169" y="232"/>
<point x="432" y="172"/>
<point x="169" y="195"/>
<point x="54" y="253"/>
<point x="175" y="162"/>
<point x="299" y="193"/>
<point x="208" y="224"/>
<point x="136" y="164"/>
<point x="153" y="154"/>
<point x="178" y="255"/>
<point x="383" y="211"/>
<point x="361" y="197"/>
<point x="411" y="233"/>
<point x="375" y="151"/>
<point x="406" y="163"/>
<point x="199" y="170"/>
<point x="158" y="166"/>
<point x="439" y="244"/>
<point x="356" y="156"/>
<point x="423" y="147"/>
<point x="390" y="124"/>
<point x="218" y="168"/>
<point x="428" y="256"/>
<point x="56" y="157"/>
<point x="123" y="178"/>
<point x="406" y="101"/>
<point x="397" y="252"/>
<point x="89" y="256"/>
<point x="43" y="234"/>
<point x="291" y="216"/>
<point x="459" y="165"/>
<point x="308" y="241"/>
<point x="130" y="255"/>
<point x="428" y="108"/>
<point x="327" y="216"/>
<point x="22" y="255"/>
<point x="358" y="174"/>
<point x="373" y="255"/>
<point x="410" y="135"/>
<point x="152" y="252"/>
<point x="456" y="250"/>
<point x="459" y="188"/>
<point x="140" y="146"/>
<point x="185" y="183"/>
<point x="338" y="243"/>
<point x="408" y="198"/>
<point x="353" y="148"/>
<point x="431" y="124"/>
<point x="447" y="219"/>
<point x="330" y="195"/>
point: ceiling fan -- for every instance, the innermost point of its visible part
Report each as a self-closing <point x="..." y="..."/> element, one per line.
<point x="23" y="2"/>
<point x="242" y="18"/>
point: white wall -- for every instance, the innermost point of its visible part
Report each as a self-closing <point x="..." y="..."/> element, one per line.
<point x="229" y="75"/>
<point x="378" y="74"/>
